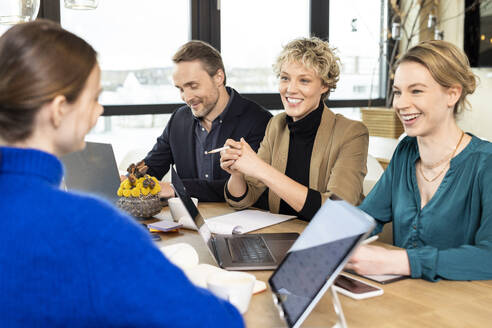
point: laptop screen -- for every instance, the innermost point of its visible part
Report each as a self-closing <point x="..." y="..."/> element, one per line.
<point x="180" y="190"/>
<point x="316" y="258"/>
<point x="93" y="170"/>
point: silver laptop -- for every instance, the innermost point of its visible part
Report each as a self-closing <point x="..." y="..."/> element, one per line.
<point x="316" y="258"/>
<point x="93" y="170"/>
<point x="237" y="252"/>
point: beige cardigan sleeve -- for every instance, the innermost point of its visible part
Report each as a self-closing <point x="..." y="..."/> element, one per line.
<point x="349" y="169"/>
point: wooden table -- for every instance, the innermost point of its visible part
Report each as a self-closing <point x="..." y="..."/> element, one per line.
<point x="406" y="303"/>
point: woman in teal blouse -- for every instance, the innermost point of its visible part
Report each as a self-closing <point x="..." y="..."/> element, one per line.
<point x="437" y="189"/>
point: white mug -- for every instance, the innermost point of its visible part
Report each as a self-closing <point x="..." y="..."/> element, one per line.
<point x="235" y="287"/>
<point x="179" y="212"/>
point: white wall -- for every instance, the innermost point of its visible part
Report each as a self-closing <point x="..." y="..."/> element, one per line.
<point x="478" y="120"/>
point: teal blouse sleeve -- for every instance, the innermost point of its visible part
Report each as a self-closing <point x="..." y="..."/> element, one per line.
<point x="378" y="201"/>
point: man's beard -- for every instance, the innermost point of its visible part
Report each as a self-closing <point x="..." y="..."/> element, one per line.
<point x="206" y="109"/>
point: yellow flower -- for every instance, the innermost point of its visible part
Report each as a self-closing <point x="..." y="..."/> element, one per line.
<point x="135" y="192"/>
<point x="126" y="192"/>
<point x="145" y="191"/>
<point x="120" y="192"/>
<point x="126" y="184"/>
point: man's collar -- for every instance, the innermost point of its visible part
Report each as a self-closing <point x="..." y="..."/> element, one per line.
<point x="231" y="93"/>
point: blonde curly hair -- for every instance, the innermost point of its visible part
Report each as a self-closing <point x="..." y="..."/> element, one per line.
<point x="447" y="64"/>
<point x="315" y="54"/>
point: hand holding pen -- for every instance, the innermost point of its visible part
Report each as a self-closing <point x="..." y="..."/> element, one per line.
<point x="370" y="240"/>
<point x="216" y="150"/>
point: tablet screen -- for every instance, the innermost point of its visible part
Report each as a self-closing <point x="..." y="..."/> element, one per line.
<point x="303" y="273"/>
<point x="317" y="256"/>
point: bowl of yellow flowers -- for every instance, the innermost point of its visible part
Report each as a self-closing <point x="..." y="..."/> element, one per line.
<point x="139" y="193"/>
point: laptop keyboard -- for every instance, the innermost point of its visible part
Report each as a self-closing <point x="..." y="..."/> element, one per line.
<point x="249" y="249"/>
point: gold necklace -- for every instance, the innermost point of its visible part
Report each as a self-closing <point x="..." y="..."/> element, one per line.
<point x="447" y="158"/>
<point x="436" y="164"/>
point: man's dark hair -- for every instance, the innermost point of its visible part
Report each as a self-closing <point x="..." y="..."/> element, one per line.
<point x="202" y="51"/>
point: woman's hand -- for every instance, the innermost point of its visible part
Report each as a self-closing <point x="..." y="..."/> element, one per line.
<point x="371" y="259"/>
<point x="229" y="156"/>
<point x="239" y="160"/>
<point x="248" y="162"/>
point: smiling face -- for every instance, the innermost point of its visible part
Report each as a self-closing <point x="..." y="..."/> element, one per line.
<point x="300" y="89"/>
<point x="197" y="88"/>
<point x="422" y="104"/>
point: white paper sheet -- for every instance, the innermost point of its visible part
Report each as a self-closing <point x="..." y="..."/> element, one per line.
<point x="245" y="221"/>
<point x="238" y="222"/>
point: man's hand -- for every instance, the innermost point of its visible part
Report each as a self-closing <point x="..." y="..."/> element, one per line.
<point x="166" y="190"/>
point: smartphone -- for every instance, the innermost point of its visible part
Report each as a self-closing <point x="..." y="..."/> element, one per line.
<point x="355" y="288"/>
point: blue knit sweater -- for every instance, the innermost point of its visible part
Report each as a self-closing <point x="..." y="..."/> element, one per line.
<point x="70" y="260"/>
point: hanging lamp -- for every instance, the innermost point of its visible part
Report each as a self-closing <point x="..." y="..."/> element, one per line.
<point x="18" y="11"/>
<point x="81" y="4"/>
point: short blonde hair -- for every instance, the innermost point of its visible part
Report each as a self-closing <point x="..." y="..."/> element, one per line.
<point x="315" y="54"/>
<point x="447" y="64"/>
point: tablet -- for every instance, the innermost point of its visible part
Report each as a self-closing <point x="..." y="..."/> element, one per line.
<point x="316" y="258"/>
<point x="383" y="279"/>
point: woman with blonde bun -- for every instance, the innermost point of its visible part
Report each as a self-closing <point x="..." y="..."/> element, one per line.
<point x="437" y="189"/>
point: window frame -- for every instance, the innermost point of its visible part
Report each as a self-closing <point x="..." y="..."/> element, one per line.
<point x="205" y="26"/>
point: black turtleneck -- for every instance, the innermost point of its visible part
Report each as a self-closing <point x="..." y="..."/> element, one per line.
<point x="301" y="141"/>
<point x="302" y="135"/>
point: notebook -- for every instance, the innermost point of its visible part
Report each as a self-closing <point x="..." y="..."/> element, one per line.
<point x="236" y="252"/>
<point x="316" y="258"/>
<point x="93" y="170"/>
<point x="383" y="279"/>
<point x="238" y="222"/>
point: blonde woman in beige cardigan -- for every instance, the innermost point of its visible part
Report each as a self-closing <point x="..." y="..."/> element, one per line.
<point x="308" y="153"/>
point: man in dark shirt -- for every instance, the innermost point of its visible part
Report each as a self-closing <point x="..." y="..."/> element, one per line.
<point x="212" y="114"/>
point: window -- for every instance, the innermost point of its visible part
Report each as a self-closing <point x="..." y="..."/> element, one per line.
<point x="136" y="40"/>
<point x="129" y="134"/>
<point x="3" y="29"/>
<point x="357" y="34"/>
<point x="135" y="43"/>
<point x="252" y="35"/>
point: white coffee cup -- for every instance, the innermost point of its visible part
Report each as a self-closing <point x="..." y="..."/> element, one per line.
<point x="178" y="211"/>
<point x="235" y="287"/>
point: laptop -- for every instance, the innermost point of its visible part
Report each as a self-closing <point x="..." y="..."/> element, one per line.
<point x="316" y="258"/>
<point x="237" y="252"/>
<point x="93" y="170"/>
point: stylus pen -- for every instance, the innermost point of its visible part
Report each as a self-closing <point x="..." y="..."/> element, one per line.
<point x="216" y="150"/>
<point x="370" y="240"/>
